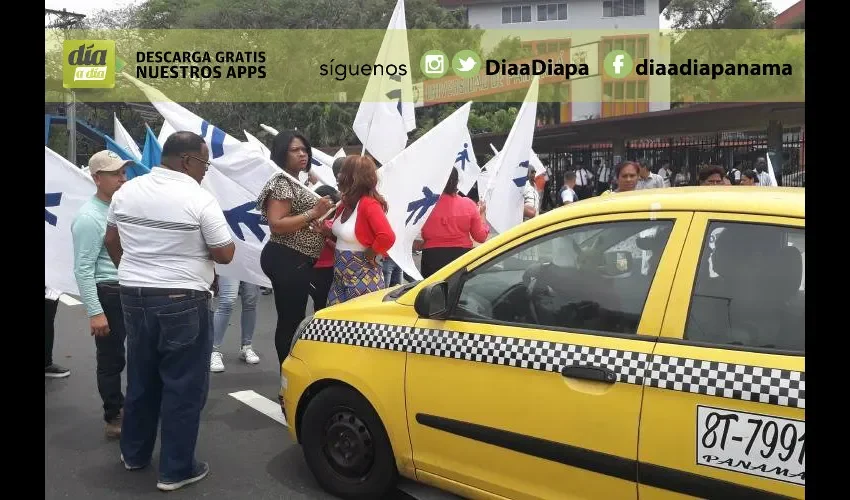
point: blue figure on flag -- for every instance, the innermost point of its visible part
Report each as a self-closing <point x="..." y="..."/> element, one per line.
<point x="463" y="157"/>
<point x="51" y="200"/>
<point x="421" y="206"/>
<point x="243" y="215"/>
<point x="520" y="181"/>
<point x="396" y="94"/>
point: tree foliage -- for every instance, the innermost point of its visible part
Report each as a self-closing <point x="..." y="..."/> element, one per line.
<point x="733" y="31"/>
<point x="327" y="124"/>
<point x="720" y="14"/>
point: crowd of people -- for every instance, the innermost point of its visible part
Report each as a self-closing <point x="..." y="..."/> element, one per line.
<point x="582" y="183"/>
<point x="144" y="260"/>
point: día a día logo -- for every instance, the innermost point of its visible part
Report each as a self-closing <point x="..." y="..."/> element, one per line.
<point x="88" y="64"/>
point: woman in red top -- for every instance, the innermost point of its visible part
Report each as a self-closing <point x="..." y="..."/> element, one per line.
<point x="446" y="234"/>
<point x="362" y="232"/>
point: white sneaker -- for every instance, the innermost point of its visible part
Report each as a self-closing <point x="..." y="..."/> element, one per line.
<point x="216" y="362"/>
<point x="248" y="355"/>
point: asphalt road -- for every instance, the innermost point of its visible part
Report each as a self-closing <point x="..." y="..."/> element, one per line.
<point x="250" y="454"/>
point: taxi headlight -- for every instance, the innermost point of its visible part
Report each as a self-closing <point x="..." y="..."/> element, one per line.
<point x="298" y="331"/>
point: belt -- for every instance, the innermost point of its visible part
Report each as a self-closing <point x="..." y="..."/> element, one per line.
<point x="108" y="286"/>
<point x="158" y="292"/>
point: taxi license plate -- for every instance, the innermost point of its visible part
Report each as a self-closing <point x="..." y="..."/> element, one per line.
<point x="750" y="443"/>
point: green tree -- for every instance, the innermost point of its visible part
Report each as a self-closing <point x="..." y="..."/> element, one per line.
<point x="720" y="14"/>
<point x="327" y="124"/>
<point x="730" y="31"/>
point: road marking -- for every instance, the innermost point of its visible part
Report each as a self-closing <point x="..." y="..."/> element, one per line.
<point x="271" y="409"/>
<point x="262" y="404"/>
<point x="69" y="301"/>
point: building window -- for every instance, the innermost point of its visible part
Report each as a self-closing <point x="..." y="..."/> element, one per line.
<point x="623" y="8"/>
<point x="518" y="14"/>
<point x="636" y="47"/>
<point x="552" y="12"/>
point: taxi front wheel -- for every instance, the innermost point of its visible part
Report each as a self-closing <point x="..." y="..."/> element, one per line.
<point x="346" y="446"/>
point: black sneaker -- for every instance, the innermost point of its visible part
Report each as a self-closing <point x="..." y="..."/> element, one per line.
<point x="56" y="371"/>
<point x="201" y="471"/>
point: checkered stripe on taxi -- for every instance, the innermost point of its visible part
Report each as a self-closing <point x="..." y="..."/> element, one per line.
<point x="750" y="383"/>
<point x="727" y="380"/>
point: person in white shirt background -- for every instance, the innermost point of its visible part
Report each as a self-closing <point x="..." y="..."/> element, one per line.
<point x="735" y="174"/>
<point x="584" y="182"/>
<point x="604" y="174"/>
<point x="531" y="198"/>
<point x="568" y="195"/>
<point x="666" y="173"/>
<point x="647" y="179"/>
<point x="761" y="170"/>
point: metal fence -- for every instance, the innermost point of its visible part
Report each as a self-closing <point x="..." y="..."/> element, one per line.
<point x="685" y="155"/>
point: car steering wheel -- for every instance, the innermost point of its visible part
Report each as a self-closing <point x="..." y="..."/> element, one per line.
<point x="530" y="279"/>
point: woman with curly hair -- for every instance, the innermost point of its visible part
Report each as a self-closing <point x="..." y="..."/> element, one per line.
<point x="362" y="232"/>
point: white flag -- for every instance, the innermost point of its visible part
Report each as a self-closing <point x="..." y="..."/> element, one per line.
<point x="322" y="166"/>
<point x="237" y="160"/>
<point x="124" y="139"/>
<point x="485" y="176"/>
<point x="66" y="189"/>
<point x="535" y="164"/>
<point x="164" y="132"/>
<point x="239" y="172"/>
<point x="340" y="154"/>
<point x="413" y="181"/>
<point x="466" y="164"/>
<point x="770" y="171"/>
<point x="249" y="233"/>
<point x="257" y="144"/>
<point x="504" y="195"/>
<point x="533" y="161"/>
<point x="386" y="112"/>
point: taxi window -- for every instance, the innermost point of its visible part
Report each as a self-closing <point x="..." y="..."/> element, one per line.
<point x="593" y="277"/>
<point x="750" y="287"/>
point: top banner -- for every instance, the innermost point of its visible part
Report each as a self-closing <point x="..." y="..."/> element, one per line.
<point x="445" y="65"/>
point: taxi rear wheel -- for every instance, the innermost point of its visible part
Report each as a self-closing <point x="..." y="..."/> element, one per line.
<point x="346" y="446"/>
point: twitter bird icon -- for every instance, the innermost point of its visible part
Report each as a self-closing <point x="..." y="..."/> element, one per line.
<point x="466" y="63"/>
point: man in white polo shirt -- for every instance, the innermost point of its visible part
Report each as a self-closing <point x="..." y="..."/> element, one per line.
<point x="165" y="233"/>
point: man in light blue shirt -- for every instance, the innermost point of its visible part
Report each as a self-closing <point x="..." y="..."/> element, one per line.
<point x="97" y="279"/>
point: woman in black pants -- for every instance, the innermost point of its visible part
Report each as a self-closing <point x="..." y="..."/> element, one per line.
<point x="289" y="255"/>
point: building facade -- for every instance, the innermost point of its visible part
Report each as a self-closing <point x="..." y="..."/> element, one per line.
<point x="580" y="31"/>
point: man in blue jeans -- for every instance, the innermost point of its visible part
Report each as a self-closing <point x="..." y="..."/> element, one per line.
<point x="165" y="233"/>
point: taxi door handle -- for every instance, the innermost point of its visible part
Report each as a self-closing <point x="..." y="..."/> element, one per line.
<point x="589" y="372"/>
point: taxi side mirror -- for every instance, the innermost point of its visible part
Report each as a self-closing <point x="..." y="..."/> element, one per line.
<point x="431" y="303"/>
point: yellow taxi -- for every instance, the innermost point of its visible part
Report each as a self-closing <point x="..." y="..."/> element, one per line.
<point x="642" y="345"/>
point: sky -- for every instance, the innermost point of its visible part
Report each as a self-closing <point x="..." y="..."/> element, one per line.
<point x="88" y="7"/>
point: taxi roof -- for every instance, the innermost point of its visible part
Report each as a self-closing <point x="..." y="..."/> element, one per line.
<point x="756" y="200"/>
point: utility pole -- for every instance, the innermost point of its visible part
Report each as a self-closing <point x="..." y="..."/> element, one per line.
<point x="71" y="117"/>
<point x="64" y="20"/>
